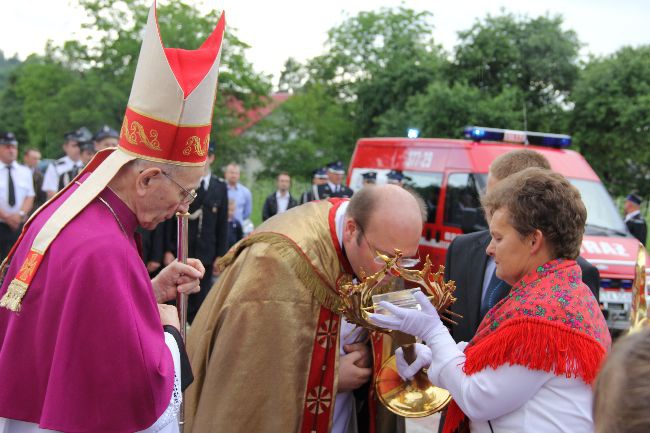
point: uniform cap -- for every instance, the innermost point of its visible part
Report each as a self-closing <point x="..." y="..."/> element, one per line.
<point x="106" y="132"/>
<point x="336" y="167"/>
<point x="634" y="198"/>
<point x="319" y="173"/>
<point x="8" y="138"/>
<point x="370" y="176"/>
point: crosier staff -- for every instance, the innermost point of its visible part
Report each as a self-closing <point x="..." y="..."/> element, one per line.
<point x="181" y="298"/>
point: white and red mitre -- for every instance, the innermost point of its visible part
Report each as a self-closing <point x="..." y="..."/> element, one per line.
<point x="168" y="119"/>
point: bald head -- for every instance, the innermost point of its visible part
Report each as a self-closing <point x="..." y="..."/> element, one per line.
<point x="381" y="219"/>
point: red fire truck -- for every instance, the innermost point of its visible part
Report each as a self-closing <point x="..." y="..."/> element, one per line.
<point x="451" y="174"/>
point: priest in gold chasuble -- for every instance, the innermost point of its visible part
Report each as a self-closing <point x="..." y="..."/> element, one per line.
<point x="268" y="346"/>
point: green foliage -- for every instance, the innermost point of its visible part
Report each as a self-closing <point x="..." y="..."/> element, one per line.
<point x="611" y="118"/>
<point x="443" y="110"/>
<point x="87" y="82"/>
<point x="7" y="65"/>
<point x="309" y="130"/>
<point x="533" y="55"/>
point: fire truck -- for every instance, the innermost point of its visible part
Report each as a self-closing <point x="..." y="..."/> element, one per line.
<point x="451" y="175"/>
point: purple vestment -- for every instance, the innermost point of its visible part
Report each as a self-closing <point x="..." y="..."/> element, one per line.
<point x="87" y="351"/>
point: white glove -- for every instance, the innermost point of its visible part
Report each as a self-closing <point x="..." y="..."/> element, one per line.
<point x="422" y="360"/>
<point x="423" y="324"/>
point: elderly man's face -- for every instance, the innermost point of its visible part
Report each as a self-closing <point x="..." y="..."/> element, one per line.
<point x="163" y="194"/>
<point x="8" y="153"/>
<point x="511" y="251"/>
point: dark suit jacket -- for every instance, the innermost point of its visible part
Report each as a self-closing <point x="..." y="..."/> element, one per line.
<point x="207" y="235"/>
<point x="324" y="191"/>
<point x="271" y="206"/>
<point x="638" y="227"/>
<point x="465" y="264"/>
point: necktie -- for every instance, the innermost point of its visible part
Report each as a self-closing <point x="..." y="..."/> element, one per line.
<point x="496" y="290"/>
<point x="10" y="185"/>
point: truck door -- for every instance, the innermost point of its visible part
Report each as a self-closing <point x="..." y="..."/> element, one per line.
<point x="428" y="186"/>
<point x="462" y="206"/>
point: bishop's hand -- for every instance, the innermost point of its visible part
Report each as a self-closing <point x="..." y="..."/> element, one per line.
<point x="178" y="278"/>
<point x="422" y="324"/>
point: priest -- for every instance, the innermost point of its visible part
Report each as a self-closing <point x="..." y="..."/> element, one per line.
<point x="85" y="345"/>
<point x="269" y="350"/>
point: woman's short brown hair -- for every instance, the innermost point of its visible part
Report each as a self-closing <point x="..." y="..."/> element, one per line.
<point x="622" y="388"/>
<point x="539" y="199"/>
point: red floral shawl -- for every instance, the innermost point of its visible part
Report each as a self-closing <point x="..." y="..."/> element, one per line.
<point x="550" y="321"/>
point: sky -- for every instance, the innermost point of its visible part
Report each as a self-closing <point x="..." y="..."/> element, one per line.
<point x="278" y="29"/>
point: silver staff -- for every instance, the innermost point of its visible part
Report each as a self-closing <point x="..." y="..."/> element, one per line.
<point x="181" y="298"/>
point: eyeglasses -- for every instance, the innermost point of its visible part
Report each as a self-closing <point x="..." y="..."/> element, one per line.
<point x="404" y="262"/>
<point x="188" y="197"/>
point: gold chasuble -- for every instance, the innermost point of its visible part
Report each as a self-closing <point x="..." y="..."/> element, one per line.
<point x="264" y="347"/>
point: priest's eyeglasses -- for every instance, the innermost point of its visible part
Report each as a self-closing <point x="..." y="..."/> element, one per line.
<point x="404" y="262"/>
<point x="188" y="197"/>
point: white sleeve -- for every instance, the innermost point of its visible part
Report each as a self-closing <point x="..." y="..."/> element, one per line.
<point x="485" y="395"/>
<point x="168" y="421"/>
<point x="50" y="179"/>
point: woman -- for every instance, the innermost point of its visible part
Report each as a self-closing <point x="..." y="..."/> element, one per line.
<point x="536" y="353"/>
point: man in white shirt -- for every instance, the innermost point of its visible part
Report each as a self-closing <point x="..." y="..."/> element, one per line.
<point x="63" y="170"/>
<point x="16" y="193"/>
<point x="238" y="192"/>
<point x="281" y="200"/>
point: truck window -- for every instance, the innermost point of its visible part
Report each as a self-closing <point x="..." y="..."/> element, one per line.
<point x="427" y="185"/>
<point x="462" y="202"/>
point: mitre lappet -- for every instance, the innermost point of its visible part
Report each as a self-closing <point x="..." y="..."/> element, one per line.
<point x="168" y="119"/>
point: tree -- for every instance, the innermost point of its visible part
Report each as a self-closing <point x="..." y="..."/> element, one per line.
<point x="309" y="130"/>
<point x="376" y="60"/>
<point x="535" y="56"/>
<point x="443" y="110"/>
<point x="87" y="82"/>
<point x="611" y="118"/>
<point x="292" y="77"/>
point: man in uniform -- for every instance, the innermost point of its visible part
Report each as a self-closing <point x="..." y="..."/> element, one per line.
<point x="319" y="177"/>
<point x="369" y="178"/>
<point x="106" y="357"/>
<point x="106" y="137"/>
<point x="16" y="193"/>
<point x="633" y="219"/>
<point x="87" y="151"/>
<point x="272" y="320"/>
<point x="396" y="177"/>
<point x="207" y="231"/>
<point x="334" y="186"/>
<point x="280" y="200"/>
<point x="32" y="159"/>
<point x="63" y="170"/>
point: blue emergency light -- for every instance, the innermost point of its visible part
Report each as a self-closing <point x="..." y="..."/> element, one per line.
<point x="480" y="133"/>
<point x="413" y="133"/>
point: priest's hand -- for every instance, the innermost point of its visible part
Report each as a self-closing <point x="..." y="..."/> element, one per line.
<point x="178" y="278"/>
<point x="423" y="324"/>
<point x="351" y="376"/>
<point x="169" y="316"/>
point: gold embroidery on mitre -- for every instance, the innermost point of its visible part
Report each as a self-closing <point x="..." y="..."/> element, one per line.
<point x="194" y="143"/>
<point x="135" y="134"/>
<point x="15" y="292"/>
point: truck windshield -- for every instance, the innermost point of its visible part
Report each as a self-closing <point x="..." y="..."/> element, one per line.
<point x="602" y="216"/>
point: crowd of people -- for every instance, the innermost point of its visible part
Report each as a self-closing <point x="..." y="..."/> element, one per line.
<point x="88" y="282"/>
